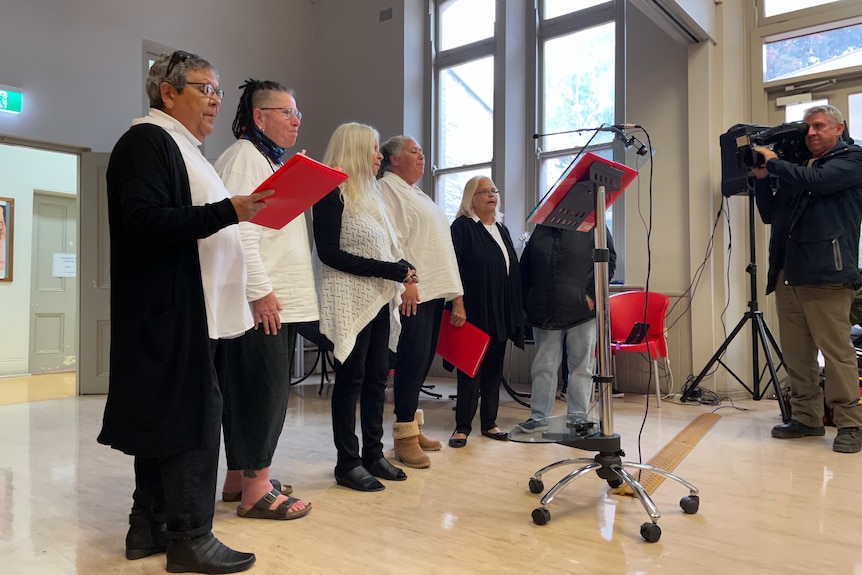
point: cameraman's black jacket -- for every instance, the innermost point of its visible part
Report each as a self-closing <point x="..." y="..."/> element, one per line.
<point x="815" y="215"/>
<point x="557" y="275"/>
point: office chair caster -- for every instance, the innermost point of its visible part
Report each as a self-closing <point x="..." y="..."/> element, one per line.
<point x="541" y="516"/>
<point x="690" y="504"/>
<point x="536" y="485"/>
<point x="650" y="531"/>
<point x="615" y="482"/>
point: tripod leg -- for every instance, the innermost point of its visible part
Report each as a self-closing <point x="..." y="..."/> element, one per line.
<point x="713" y="359"/>
<point x="773" y="373"/>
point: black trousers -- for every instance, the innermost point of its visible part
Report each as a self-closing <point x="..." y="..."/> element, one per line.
<point x="361" y="378"/>
<point x="181" y="488"/>
<point x="254" y="375"/>
<point x="416" y="349"/>
<point x="487" y="385"/>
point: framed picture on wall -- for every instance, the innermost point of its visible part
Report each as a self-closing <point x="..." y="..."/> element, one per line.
<point x="7" y="229"/>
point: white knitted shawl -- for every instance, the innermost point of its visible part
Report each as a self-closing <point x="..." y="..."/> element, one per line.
<point x="349" y="302"/>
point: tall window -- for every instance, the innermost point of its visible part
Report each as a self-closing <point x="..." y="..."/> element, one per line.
<point x="576" y="84"/>
<point x="559" y="75"/>
<point x="464" y="85"/>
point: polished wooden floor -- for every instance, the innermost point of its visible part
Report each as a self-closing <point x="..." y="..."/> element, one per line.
<point x="767" y="505"/>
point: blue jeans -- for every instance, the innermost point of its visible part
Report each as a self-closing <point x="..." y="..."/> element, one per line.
<point x="580" y="349"/>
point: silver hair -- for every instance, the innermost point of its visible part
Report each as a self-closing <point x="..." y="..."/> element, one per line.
<point x="466" y="208"/>
<point x="834" y="114"/>
<point x="389" y="148"/>
<point x="184" y="62"/>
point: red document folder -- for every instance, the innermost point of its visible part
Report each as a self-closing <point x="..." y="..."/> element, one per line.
<point x="550" y="210"/>
<point x="298" y="185"/>
<point x="464" y="347"/>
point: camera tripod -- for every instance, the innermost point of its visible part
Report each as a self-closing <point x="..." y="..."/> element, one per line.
<point x="761" y="337"/>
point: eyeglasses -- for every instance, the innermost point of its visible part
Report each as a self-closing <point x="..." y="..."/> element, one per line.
<point x="177" y="57"/>
<point x="208" y="89"/>
<point x="486" y="192"/>
<point x="287" y="112"/>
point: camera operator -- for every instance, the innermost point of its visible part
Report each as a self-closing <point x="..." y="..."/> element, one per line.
<point x="815" y="213"/>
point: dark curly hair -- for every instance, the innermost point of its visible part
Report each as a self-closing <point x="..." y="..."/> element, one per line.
<point x="253" y="94"/>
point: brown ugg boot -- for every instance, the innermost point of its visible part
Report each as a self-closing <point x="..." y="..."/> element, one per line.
<point x="425" y="442"/>
<point x="407" y="451"/>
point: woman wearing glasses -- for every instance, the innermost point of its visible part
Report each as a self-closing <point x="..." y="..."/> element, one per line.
<point x="492" y="300"/>
<point x="360" y="278"/>
<point x="281" y="294"/>
<point x="178" y="286"/>
<point x="423" y="231"/>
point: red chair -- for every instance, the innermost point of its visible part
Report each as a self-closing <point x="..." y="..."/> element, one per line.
<point x="626" y="309"/>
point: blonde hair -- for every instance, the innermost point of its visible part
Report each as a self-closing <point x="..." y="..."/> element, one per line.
<point x="349" y="150"/>
<point x="466" y="208"/>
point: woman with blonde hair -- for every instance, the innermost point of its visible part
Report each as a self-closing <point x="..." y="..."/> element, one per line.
<point x="492" y="300"/>
<point x="360" y="276"/>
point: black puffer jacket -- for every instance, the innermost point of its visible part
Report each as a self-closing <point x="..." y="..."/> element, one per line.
<point x="557" y="275"/>
<point x="815" y="215"/>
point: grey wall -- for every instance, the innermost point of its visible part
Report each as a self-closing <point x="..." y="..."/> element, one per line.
<point x="78" y="63"/>
<point x="359" y="69"/>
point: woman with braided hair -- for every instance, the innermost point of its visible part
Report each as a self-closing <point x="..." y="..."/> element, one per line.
<point x="281" y="293"/>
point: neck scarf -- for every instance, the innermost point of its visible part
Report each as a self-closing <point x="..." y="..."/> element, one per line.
<point x="267" y="147"/>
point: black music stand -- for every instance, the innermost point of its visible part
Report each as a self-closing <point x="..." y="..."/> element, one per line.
<point x="577" y="200"/>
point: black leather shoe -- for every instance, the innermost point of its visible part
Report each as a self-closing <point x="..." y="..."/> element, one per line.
<point x="499" y="436"/>
<point x="145" y="537"/>
<point x="793" y="429"/>
<point x="206" y="554"/>
<point x="385" y="470"/>
<point x="457" y="442"/>
<point x="359" y="479"/>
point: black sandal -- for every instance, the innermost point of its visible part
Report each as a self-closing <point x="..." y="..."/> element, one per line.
<point x="261" y="509"/>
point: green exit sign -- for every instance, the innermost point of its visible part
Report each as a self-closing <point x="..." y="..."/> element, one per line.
<point x="10" y="101"/>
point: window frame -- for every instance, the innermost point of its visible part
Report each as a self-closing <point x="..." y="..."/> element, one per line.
<point x="545" y="30"/>
<point x="517" y="102"/>
<point x="444" y="59"/>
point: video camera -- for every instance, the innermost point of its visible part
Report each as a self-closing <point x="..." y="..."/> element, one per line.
<point x="738" y="155"/>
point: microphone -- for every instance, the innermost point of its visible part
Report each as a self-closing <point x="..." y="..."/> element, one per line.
<point x="605" y="128"/>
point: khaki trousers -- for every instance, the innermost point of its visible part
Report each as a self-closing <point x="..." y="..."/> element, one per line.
<point x="812" y="318"/>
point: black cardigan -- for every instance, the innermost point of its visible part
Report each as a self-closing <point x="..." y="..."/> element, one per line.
<point x="163" y="395"/>
<point x="492" y="297"/>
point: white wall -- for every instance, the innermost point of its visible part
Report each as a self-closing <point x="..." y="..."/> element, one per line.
<point x="22" y="171"/>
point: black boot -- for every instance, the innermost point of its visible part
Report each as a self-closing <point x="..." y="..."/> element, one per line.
<point x="205" y="554"/>
<point x="146" y="536"/>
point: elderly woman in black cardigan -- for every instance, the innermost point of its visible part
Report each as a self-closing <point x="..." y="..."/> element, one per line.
<point x="492" y="299"/>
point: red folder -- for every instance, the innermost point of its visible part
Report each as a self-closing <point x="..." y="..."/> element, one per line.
<point x="298" y="185"/>
<point x="546" y="211"/>
<point x="464" y="347"/>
